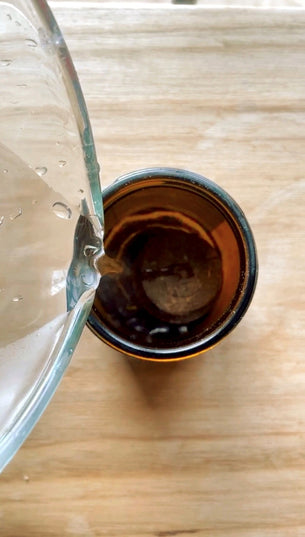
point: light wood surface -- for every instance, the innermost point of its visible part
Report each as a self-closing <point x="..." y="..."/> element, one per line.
<point x="213" y="446"/>
<point x="210" y="3"/>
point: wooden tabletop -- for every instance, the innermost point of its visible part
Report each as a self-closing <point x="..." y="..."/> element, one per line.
<point x="213" y="446"/>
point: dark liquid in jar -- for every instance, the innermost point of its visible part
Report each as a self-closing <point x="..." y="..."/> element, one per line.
<point x="161" y="276"/>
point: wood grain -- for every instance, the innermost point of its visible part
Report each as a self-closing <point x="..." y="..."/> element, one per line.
<point x="213" y="446"/>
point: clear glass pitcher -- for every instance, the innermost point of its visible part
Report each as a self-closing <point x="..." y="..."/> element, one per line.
<point x="50" y="214"/>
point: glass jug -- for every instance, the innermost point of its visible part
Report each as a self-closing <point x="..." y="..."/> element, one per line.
<point x="50" y="214"/>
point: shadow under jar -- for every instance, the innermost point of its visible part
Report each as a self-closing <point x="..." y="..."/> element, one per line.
<point x="179" y="268"/>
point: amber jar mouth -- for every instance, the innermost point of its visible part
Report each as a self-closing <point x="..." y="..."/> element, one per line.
<point x="202" y="201"/>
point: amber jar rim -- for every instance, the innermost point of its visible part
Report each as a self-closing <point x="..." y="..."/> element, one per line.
<point x="234" y="213"/>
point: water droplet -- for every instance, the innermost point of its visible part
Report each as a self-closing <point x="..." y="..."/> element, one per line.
<point x="34" y="202"/>
<point x="5" y="170"/>
<point x="62" y="210"/>
<point x="58" y="143"/>
<point x="90" y="250"/>
<point x="62" y="163"/>
<point x="1" y="220"/>
<point x="16" y="215"/>
<point x="5" y="63"/>
<point x="18" y="23"/>
<point x="183" y="329"/>
<point x="31" y="43"/>
<point x="9" y="17"/>
<point x="26" y="478"/>
<point x="17" y="298"/>
<point x="41" y="170"/>
<point x="81" y="191"/>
